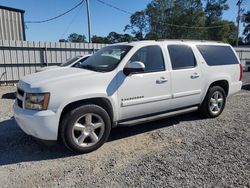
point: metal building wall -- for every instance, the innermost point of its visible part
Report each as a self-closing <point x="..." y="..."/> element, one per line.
<point x="244" y="54"/>
<point x="11" y="24"/>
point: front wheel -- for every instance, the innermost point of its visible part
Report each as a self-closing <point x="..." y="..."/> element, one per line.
<point x="85" y="128"/>
<point x="214" y="102"/>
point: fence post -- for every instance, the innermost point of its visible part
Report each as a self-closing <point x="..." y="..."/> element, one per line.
<point x="45" y="56"/>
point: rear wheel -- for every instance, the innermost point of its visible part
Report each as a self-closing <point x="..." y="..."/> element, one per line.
<point x="214" y="102"/>
<point x="85" y="128"/>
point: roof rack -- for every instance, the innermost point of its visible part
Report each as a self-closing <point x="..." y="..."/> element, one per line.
<point x="141" y="41"/>
<point x="183" y="40"/>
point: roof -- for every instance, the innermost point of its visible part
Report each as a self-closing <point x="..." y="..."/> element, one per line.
<point x="243" y="46"/>
<point x="12" y="9"/>
<point x="171" y="41"/>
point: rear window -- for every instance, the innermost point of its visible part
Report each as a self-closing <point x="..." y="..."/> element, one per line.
<point x="218" y="55"/>
<point x="181" y="56"/>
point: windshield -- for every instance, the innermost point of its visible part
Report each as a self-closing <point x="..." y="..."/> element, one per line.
<point x="70" y="61"/>
<point x="106" y="59"/>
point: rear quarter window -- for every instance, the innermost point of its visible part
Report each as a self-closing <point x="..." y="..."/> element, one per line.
<point x="218" y="55"/>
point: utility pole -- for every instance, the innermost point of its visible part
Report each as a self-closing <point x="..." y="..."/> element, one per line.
<point x="89" y="21"/>
<point x="238" y="20"/>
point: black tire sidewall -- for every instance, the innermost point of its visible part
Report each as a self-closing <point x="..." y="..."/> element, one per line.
<point x="73" y="116"/>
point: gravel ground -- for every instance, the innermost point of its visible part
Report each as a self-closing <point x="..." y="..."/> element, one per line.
<point x="184" y="151"/>
<point x="6" y="101"/>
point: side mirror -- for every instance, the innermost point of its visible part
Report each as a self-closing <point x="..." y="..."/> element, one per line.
<point x="134" y="67"/>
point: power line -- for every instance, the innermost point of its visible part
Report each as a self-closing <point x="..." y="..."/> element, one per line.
<point x="114" y="7"/>
<point x="71" y="22"/>
<point x="163" y="23"/>
<point x="56" y="17"/>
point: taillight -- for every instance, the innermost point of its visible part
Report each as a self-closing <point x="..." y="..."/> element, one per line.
<point x="241" y="72"/>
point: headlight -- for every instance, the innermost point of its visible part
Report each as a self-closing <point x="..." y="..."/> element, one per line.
<point x="37" y="101"/>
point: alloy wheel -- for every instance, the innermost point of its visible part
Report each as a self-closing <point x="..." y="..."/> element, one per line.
<point x="216" y="102"/>
<point x="88" y="130"/>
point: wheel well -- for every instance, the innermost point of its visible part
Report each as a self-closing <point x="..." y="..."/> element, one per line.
<point x="222" y="83"/>
<point x="102" y="102"/>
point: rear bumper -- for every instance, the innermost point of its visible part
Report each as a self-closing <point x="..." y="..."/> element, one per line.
<point x="40" y="124"/>
<point x="235" y="87"/>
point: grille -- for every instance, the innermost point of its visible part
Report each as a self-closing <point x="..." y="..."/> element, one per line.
<point x="20" y="97"/>
<point x="20" y="92"/>
<point x="20" y="103"/>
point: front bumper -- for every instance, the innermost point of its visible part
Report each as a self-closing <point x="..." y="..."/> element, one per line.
<point x="40" y="124"/>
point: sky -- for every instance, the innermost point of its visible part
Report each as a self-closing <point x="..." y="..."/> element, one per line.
<point x="104" y="19"/>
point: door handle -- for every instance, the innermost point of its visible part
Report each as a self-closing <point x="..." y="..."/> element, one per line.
<point x="195" y="75"/>
<point x="161" y="80"/>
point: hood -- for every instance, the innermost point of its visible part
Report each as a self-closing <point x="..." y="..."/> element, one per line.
<point x="41" y="79"/>
<point x="49" y="68"/>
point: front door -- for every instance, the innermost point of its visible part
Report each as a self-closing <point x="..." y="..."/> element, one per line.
<point x="148" y="92"/>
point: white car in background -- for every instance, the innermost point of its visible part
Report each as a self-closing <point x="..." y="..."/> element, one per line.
<point x="73" y="62"/>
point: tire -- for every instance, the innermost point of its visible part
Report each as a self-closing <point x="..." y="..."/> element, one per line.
<point x="212" y="107"/>
<point x="85" y="128"/>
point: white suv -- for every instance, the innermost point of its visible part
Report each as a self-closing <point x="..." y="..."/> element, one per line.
<point x="126" y="84"/>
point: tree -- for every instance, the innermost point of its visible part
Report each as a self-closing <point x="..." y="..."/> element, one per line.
<point x="127" y="38"/>
<point x="138" y="25"/>
<point x="246" y="31"/>
<point x="164" y="15"/>
<point x="183" y="19"/>
<point x="74" y="37"/>
<point x="226" y="33"/>
<point x="114" y="37"/>
<point x="241" y="41"/>
<point x="214" y="10"/>
<point x="158" y="11"/>
<point x="99" y="39"/>
<point x="63" y="40"/>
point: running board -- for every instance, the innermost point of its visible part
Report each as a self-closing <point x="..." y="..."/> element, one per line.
<point x="156" y="117"/>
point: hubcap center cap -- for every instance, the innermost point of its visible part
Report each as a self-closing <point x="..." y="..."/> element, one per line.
<point x="89" y="129"/>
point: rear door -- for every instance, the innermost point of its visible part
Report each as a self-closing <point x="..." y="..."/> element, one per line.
<point x="186" y="76"/>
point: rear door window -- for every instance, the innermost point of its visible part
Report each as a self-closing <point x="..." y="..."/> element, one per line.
<point x="181" y="56"/>
<point x="218" y="55"/>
